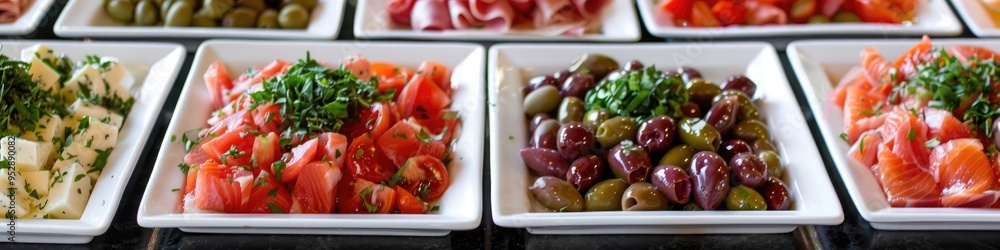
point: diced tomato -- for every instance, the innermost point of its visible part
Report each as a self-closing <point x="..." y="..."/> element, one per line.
<point x="197" y="156"/>
<point x="438" y="73"/>
<point x="364" y="161"/>
<point x="358" y="65"/>
<point x="425" y="176"/>
<point x="218" y="82"/>
<point x="384" y="69"/>
<point x="266" y="148"/>
<point x="333" y="146"/>
<point x="886" y="11"/>
<point x="437" y="125"/>
<point x="233" y="148"/>
<point x="191" y="180"/>
<point x="391" y="83"/>
<point x="315" y="188"/>
<point x="268" y="196"/>
<point x="406" y="203"/>
<point x="404" y="140"/>
<point x="244" y="178"/>
<point x="267" y="118"/>
<point x="966" y="52"/>
<point x="421" y="98"/>
<point x="216" y="191"/>
<point x="701" y="16"/>
<point x="730" y="13"/>
<point x="829" y="8"/>
<point x="679" y="9"/>
<point x="375" y="120"/>
<point x="294" y="161"/>
<point x="359" y="196"/>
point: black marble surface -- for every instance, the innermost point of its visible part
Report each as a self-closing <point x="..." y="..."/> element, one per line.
<point x="854" y="233"/>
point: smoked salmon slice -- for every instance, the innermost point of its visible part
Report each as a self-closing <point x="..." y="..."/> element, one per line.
<point x="858" y="107"/>
<point x="905" y="184"/>
<point x="964" y="172"/>
<point x="865" y="150"/>
<point x="944" y="126"/>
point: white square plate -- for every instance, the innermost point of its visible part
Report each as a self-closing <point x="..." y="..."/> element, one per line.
<point x="372" y="21"/>
<point x="29" y="20"/>
<point x="815" y="202"/>
<point x="934" y="19"/>
<point x="977" y="17"/>
<point x="156" y="65"/>
<point x="819" y="65"/>
<point x="86" y="18"/>
<point x="460" y="207"/>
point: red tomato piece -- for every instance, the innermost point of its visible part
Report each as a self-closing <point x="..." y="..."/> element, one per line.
<point x="244" y="178"/>
<point x="885" y="11"/>
<point x="384" y="69"/>
<point x="269" y="196"/>
<point x="359" y="196"/>
<point x="218" y="82"/>
<point x="267" y="118"/>
<point x="406" y="203"/>
<point x="375" y="120"/>
<point x="191" y="180"/>
<point x="425" y="176"/>
<point x="364" y="161"/>
<point x="404" y="140"/>
<point x="730" y="13"/>
<point x="701" y="16"/>
<point x="680" y="9"/>
<point x="197" y="156"/>
<point x="333" y="146"/>
<point x="315" y="188"/>
<point x="233" y="148"/>
<point x="966" y="52"/>
<point x="294" y="161"/>
<point x="266" y="148"/>
<point x="438" y="73"/>
<point x="358" y="65"/>
<point x="421" y="98"/>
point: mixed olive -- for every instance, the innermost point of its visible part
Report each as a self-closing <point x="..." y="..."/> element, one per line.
<point x="265" y="14"/>
<point x="691" y="144"/>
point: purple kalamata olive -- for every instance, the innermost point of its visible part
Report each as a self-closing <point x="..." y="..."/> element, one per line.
<point x="732" y="147"/>
<point x="688" y="73"/>
<point x="538" y="82"/>
<point x="749" y="169"/>
<point x="545" y="162"/>
<point x="586" y="171"/>
<point x="723" y="113"/>
<point x="673" y="182"/>
<point x="577" y="85"/>
<point x="709" y="176"/>
<point x="741" y="83"/>
<point x="545" y="134"/>
<point x="535" y="121"/>
<point x="561" y="76"/>
<point x="634" y="65"/>
<point x="656" y="134"/>
<point x="630" y="162"/>
<point x="776" y="194"/>
<point x="691" y="109"/>
<point x="574" y="140"/>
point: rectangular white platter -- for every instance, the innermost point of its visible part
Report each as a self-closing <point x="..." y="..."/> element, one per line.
<point x="460" y="207"/>
<point x="371" y="20"/>
<point x="29" y="20"/>
<point x="819" y="65"/>
<point x="977" y="18"/>
<point x="815" y="201"/>
<point x="87" y="19"/>
<point x="155" y="67"/>
<point x="934" y="19"/>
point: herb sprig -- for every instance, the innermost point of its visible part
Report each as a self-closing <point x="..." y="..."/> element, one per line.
<point x="23" y="102"/>
<point x="640" y="94"/>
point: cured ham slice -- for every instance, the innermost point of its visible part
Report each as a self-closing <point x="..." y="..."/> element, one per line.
<point x="10" y="10"/>
<point x="430" y="15"/>
<point x="399" y="10"/>
<point x="589" y="8"/>
<point x="523" y="7"/>
<point x="495" y="15"/>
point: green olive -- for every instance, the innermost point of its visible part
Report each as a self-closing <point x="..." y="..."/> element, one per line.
<point x="702" y="91"/>
<point x="751" y="130"/>
<point x="268" y="19"/>
<point x="240" y="18"/>
<point x="643" y="196"/>
<point x="744" y="198"/>
<point x="606" y="195"/>
<point x="700" y="135"/>
<point x="557" y="194"/>
<point x="165" y="6"/>
<point x="308" y="4"/>
<point x="616" y="130"/>
<point x="679" y="156"/>
<point x="571" y="110"/>
<point x="747" y="109"/>
<point x="596" y="65"/>
<point x="180" y="15"/>
<point x="692" y="206"/>
<point x="819" y="19"/>
<point x="594" y="117"/>
<point x="121" y="10"/>
<point x="773" y="162"/>
<point x="146" y="13"/>
<point x="760" y="145"/>
<point x="293" y="16"/>
<point x="200" y="19"/>
<point x="541" y="100"/>
<point x="256" y="5"/>
<point x="846" y="17"/>
<point x="216" y="8"/>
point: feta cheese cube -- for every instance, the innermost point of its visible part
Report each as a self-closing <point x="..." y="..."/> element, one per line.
<point x="38" y="181"/>
<point x="69" y="191"/>
<point x="82" y="81"/>
<point x="39" y="51"/>
<point x="81" y="108"/>
<point x="95" y="135"/>
<point x="47" y="77"/>
<point x="93" y="161"/>
<point x="22" y="201"/>
<point x="48" y="127"/>
<point x="30" y="155"/>
<point x="116" y="74"/>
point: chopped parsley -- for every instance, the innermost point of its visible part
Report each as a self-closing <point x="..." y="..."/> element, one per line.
<point x="640" y="94"/>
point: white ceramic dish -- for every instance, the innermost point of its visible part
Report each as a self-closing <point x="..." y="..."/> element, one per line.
<point x="86" y="18"/>
<point x="819" y="65"/>
<point x="460" y="207"/>
<point x="157" y="65"/>
<point x="511" y="65"/>
<point x="372" y="21"/>
<point x="29" y="20"/>
<point x="977" y="18"/>
<point x="934" y="19"/>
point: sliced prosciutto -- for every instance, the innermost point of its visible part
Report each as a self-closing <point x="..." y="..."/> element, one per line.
<point x="430" y="15"/>
<point x="399" y="10"/>
<point x="546" y="17"/>
<point x="495" y="15"/>
<point x="10" y="10"/>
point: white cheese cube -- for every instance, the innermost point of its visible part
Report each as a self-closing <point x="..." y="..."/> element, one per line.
<point x="93" y="161"/>
<point x="48" y="127"/>
<point x="30" y="155"/>
<point x="22" y="204"/>
<point x="82" y="81"/>
<point x="95" y="135"/>
<point x="68" y="193"/>
<point x="38" y="181"/>
<point x="47" y="77"/>
<point x="81" y="108"/>
<point x="35" y="213"/>
<point x="39" y="51"/>
<point x="22" y="201"/>
<point x="116" y="74"/>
